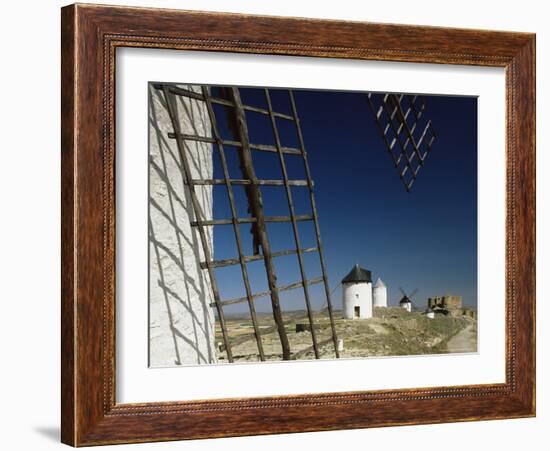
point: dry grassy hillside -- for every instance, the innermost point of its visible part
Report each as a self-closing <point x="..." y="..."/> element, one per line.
<point x="391" y="332"/>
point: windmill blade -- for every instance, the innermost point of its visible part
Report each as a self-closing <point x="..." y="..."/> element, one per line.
<point x="402" y="291"/>
<point x="413" y="292"/>
<point x="407" y="133"/>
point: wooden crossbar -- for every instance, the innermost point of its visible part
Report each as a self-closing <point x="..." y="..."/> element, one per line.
<point x="226" y="142"/>
<point x="254" y="258"/>
<point x="251" y="220"/>
<point x="255" y="182"/>
<point x="263" y="294"/>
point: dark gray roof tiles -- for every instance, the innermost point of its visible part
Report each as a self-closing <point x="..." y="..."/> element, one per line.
<point x="358" y="275"/>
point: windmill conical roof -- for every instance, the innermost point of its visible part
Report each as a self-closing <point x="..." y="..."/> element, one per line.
<point x="357" y="275"/>
<point x="379" y="283"/>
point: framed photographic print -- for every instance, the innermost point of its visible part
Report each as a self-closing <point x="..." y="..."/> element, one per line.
<point x="279" y="225"/>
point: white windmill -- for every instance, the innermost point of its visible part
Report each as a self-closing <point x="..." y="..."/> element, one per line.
<point x="357" y="294"/>
<point x="380" y="294"/>
<point x="406" y="300"/>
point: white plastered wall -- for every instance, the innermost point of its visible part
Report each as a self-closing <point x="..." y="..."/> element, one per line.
<point x="380" y="296"/>
<point x="357" y="295"/>
<point x="181" y="321"/>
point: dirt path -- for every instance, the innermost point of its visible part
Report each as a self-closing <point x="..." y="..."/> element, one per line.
<point x="464" y="341"/>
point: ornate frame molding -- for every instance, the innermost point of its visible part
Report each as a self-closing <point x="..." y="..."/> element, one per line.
<point x="90" y="36"/>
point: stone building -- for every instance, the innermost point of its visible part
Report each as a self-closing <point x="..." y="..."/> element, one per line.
<point x="181" y="321"/>
<point x="447" y="302"/>
<point x="450" y="305"/>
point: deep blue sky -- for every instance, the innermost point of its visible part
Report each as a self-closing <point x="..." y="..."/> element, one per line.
<point x="425" y="240"/>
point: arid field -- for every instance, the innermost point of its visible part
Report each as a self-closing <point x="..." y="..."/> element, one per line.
<point x="391" y="332"/>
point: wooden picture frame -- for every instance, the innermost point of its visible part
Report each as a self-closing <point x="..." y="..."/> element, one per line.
<point x="90" y="36"/>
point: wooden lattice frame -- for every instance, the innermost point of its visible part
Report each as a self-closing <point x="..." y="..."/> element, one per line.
<point x="236" y="111"/>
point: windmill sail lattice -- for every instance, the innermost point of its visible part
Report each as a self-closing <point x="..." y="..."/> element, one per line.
<point x="408" y="137"/>
<point x="231" y="100"/>
<point x="407" y="133"/>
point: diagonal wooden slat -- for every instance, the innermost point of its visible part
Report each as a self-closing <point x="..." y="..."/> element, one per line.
<point x="199" y="215"/>
<point x="234" y="216"/>
<point x="396" y="115"/>
<point x="315" y="221"/>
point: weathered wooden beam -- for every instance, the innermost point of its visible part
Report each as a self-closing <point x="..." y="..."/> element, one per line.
<point x="234" y="217"/>
<point x="252" y="220"/>
<point x="254" y="182"/>
<point x="293" y="221"/>
<point x="227" y="142"/>
<point x="267" y="113"/>
<point x="263" y="294"/>
<point x="315" y="222"/>
<point x="254" y="195"/>
<point x="253" y="258"/>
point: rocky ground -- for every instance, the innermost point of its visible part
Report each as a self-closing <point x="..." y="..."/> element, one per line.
<point x="391" y="332"/>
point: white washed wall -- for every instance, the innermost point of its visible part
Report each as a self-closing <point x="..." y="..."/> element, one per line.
<point x="357" y="294"/>
<point x="181" y="322"/>
<point x="380" y="296"/>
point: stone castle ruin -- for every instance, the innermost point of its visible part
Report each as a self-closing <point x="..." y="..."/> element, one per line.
<point x="451" y="305"/>
<point x="449" y="302"/>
